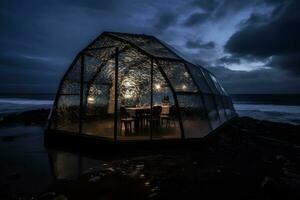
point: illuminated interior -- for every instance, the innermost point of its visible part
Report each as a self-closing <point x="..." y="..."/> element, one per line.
<point x="134" y="87"/>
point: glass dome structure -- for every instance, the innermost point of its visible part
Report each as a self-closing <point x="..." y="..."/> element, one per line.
<point x="135" y="87"/>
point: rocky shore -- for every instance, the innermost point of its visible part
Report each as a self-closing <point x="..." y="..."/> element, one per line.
<point x="31" y="117"/>
<point x="248" y="159"/>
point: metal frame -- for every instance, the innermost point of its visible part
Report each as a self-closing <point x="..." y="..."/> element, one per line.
<point x="151" y="99"/>
<point x="81" y="94"/>
<point x="174" y="96"/>
<point x="213" y="96"/>
<point x="116" y="93"/>
<point x="201" y="96"/>
<point x="153" y="59"/>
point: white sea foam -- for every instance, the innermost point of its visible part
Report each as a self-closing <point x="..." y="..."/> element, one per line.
<point x="268" y="108"/>
<point x="276" y="113"/>
<point x="21" y="101"/>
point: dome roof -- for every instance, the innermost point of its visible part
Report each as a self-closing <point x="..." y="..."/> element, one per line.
<point x="135" y="87"/>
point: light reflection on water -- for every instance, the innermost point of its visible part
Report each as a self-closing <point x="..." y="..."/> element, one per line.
<point x="27" y="167"/>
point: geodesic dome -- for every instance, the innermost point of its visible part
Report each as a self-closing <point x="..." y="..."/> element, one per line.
<point x="135" y="87"/>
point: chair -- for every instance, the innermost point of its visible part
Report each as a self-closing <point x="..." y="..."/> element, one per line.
<point x="171" y="117"/>
<point x="126" y="120"/>
<point x="140" y="116"/>
<point x="156" y="111"/>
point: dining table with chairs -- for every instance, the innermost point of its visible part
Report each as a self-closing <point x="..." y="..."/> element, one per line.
<point x="138" y="118"/>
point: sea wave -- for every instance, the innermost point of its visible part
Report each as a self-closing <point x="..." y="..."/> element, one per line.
<point x="21" y="101"/>
<point x="17" y="105"/>
<point x="277" y="113"/>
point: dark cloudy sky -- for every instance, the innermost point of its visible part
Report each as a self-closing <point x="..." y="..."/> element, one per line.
<point x="252" y="46"/>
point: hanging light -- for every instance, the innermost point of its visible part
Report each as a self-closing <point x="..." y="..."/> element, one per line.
<point x="91" y="100"/>
<point x="157" y="86"/>
<point x="129" y="88"/>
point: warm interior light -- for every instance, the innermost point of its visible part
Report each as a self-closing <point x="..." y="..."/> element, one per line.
<point x="91" y="100"/>
<point x="128" y="94"/>
<point x="184" y="87"/>
<point x="157" y="86"/>
<point x="128" y="88"/>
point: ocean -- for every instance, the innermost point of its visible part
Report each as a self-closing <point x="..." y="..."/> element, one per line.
<point x="17" y="103"/>
<point x="272" y="107"/>
<point x="277" y="108"/>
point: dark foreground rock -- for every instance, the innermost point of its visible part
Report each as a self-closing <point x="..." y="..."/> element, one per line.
<point x="31" y="117"/>
<point x="248" y="159"/>
<point x="244" y="161"/>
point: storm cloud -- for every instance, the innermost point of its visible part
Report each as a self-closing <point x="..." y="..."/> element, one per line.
<point x="198" y="44"/>
<point x="256" y="40"/>
<point x="279" y="39"/>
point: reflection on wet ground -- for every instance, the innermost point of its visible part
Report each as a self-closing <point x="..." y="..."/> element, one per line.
<point x="249" y="159"/>
<point x="24" y="163"/>
<point x="28" y="170"/>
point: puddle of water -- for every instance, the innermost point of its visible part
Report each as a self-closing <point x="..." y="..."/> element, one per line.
<point x="27" y="168"/>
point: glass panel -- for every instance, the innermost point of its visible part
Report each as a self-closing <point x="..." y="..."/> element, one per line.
<point x="227" y="107"/>
<point x="198" y="77"/>
<point x="216" y="84"/>
<point x="70" y="87"/>
<point x="180" y="79"/>
<point x="210" y="82"/>
<point x="74" y="73"/>
<point x="193" y="115"/>
<point x="99" y="98"/>
<point x="220" y="108"/>
<point x="71" y="83"/>
<point x="105" y="41"/>
<point x="223" y="90"/>
<point x="66" y="114"/>
<point x="212" y="111"/>
<point x="93" y="64"/>
<point x="134" y="96"/>
<point x="165" y="124"/>
<point x="186" y="57"/>
<point x="231" y="107"/>
<point x="148" y="44"/>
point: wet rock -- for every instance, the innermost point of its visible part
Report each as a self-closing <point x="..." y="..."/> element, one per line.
<point x="8" y="138"/>
<point x="147" y="183"/>
<point x="61" y="197"/>
<point x="94" y="179"/>
<point x="123" y="172"/>
<point x="139" y="166"/>
<point x="142" y="176"/>
<point x="153" y="195"/>
<point x="110" y="169"/>
<point x="14" y="176"/>
<point x="47" y="195"/>
<point x="154" y="189"/>
<point x="134" y="173"/>
<point x="39" y="116"/>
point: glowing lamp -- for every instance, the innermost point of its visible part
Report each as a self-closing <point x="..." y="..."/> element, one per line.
<point x="157" y="86"/>
<point x="91" y="100"/>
